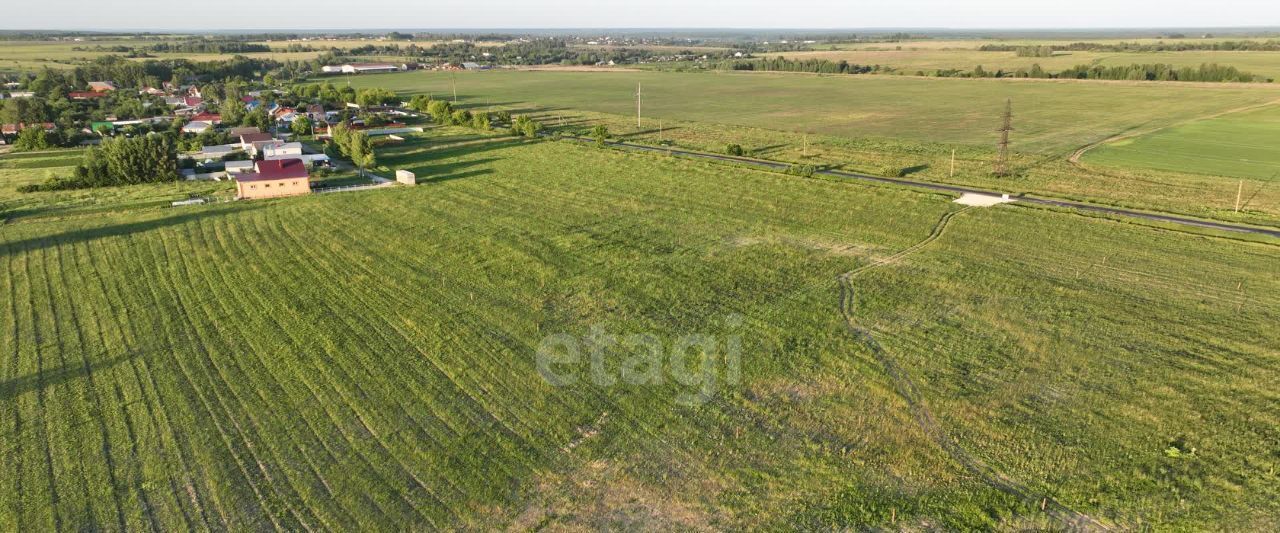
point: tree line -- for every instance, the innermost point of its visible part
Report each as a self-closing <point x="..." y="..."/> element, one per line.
<point x="782" y="64"/>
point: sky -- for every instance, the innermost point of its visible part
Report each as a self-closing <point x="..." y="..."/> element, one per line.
<point x="462" y="14"/>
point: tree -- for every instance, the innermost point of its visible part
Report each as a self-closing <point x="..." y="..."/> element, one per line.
<point x="460" y="117"/>
<point x="360" y="149"/>
<point x="301" y="126"/>
<point x="31" y="138"/>
<point x="257" y="118"/>
<point x="480" y="121"/>
<point x="375" y="96"/>
<point x="232" y="110"/>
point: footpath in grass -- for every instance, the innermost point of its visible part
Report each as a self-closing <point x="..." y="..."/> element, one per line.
<point x="1239" y="145"/>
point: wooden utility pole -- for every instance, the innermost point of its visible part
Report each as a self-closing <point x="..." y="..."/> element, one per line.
<point x="805" y="150"/>
<point x="953" y="162"/>
<point x="638" y="106"/>
<point x="1002" y="160"/>
<point x="1239" y="193"/>
<point x="454" y="81"/>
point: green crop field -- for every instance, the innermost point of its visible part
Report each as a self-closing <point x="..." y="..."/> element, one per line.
<point x="1051" y="116"/>
<point x="1239" y="145"/>
<point x="348" y="361"/>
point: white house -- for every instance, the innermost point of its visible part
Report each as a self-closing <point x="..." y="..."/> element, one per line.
<point x="272" y="152"/>
<point x="360" y="68"/>
<point x="197" y="127"/>
<point x="217" y="151"/>
<point x="239" y="167"/>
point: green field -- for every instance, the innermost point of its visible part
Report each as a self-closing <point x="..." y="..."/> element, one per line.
<point x="1052" y="117"/>
<point x="350" y="361"/>
<point x="32" y="56"/>
<point x="906" y="125"/>
<point x="1239" y="145"/>
<point x="909" y="61"/>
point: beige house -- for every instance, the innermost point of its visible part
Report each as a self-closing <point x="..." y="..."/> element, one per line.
<point x="273" y="179"/>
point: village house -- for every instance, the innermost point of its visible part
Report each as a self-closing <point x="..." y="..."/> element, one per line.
<point x="212" y="118"/>
<point x="282" y="150"/>
<point x="197" y="127"/>
<point x="273" y="179"/>
<point x="217" y="151"/>
<point x="285" y="114"/>
<point x="85" y="95"/>
<point x="239" y="167"/>
<point x="101" y="86"/>
<point x="13" y="129"/>
<point x="248" y="139"/>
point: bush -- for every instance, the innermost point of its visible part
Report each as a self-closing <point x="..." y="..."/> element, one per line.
<point x="33" y="138"/>
<point x="600" y="133"/>
<point x="804" y="171"/>
<point x="893" y="172"/>
<point x="461" y="117"/>
<point x="440" y="111"/>
<point x="526" y="127"/>
<point x="734" y="150"/>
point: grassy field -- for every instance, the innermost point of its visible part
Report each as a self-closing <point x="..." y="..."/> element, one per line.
<point x="1200" y="195"/>
<point x="20" y="169"/>
<point x="973" y="44"/>
<point x="929" y="60"/>
<point x="1051" y="116"/>
<point x="1240" y="145"/>
<point x="351" y="360"/>
<point x="886" y="125"/>
<point x="30" y="56"/>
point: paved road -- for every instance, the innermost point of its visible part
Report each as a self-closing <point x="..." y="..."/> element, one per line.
<point x="773" y="165"/>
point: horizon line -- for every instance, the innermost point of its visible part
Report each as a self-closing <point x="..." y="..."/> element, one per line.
<point x="642" y="28"/>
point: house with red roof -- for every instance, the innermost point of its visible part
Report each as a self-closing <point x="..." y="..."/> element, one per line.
<point x="274" y="179"/>
<point x="85" y="95"/>
<point x="13" y="129"/>
<point x="212" y="118"/>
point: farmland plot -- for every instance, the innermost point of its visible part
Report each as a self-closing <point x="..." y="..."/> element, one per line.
<point x="348" y="361"/>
